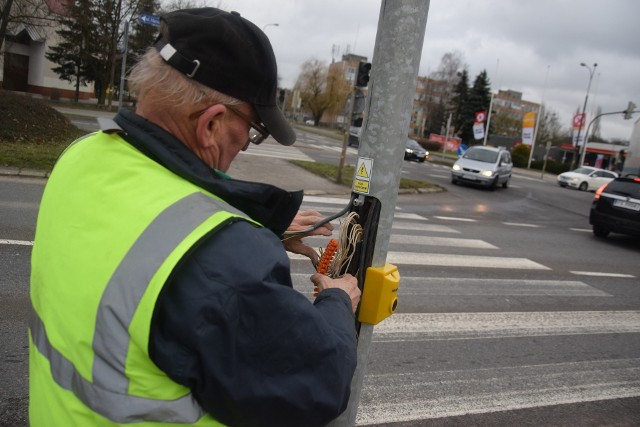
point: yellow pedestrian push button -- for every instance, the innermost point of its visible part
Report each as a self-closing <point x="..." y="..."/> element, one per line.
<point x="380" y="294"/>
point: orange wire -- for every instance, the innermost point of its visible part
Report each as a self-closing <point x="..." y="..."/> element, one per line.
<point x="325" y="260"/>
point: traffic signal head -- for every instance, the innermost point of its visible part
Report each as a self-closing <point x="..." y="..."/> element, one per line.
<point x="281" y="96"/>
<point x="362" y="79"/>
<point x="629" y="111"/>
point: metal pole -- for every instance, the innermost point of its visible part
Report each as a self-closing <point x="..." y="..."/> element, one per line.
<point x="584" y="152"/>
<point x="347" y="131"/>
<point x="535" y="130"/>
<point x="396" y="59"/>
<point x="584" y="109"/>
<point x="124" y="64"/>
<point x="446" y="137"/>
<point x="486" y="132"/>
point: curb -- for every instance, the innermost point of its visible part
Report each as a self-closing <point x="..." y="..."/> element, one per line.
<point x="33" y="173"/>
<point x="25" y="172"/>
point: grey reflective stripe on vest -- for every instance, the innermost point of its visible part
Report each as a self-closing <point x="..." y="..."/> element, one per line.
<point x="108" y="394"/>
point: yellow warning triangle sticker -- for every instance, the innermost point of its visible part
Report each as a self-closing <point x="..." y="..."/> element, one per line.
<point x="362" y="172"/>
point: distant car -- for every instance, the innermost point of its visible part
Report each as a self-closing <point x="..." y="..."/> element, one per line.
<point x="414" y="151"/>
<point x="484" y="166"/>
<point x="616" y="208"/>
<point x="354" y="136"/>
<point x="310" y="122"/>
<point x="586" y="178"/>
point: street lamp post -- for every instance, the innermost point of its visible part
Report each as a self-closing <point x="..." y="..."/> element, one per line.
<point x="584" y="109"/>
<point x="275" y="24"/>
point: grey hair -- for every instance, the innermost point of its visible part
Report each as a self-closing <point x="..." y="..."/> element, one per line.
<point x="157" y="83"/>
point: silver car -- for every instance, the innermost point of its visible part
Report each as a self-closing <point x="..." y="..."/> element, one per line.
<point x="485" y="166"/>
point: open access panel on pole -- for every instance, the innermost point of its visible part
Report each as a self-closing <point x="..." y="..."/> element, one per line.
<point x="396" y="59"/>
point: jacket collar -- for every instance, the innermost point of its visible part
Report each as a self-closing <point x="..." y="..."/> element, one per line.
<point x="271" y="206"/>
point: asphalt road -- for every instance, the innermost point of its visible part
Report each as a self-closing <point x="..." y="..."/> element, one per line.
<point x="511" y="311"/>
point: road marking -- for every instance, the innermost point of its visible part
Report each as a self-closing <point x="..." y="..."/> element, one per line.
<point x="455" y="326"/>
<point x="273" y="150"/>
<point x="449" y="218"/>
<point x="324" y="209"/>
<point x="329" y="200"/>
<point x="16" y="242"/>
<point x="423" y="227"/>
<point x="449" y="260"/>
<point x="518" y="224"/>
<point x="394" y="397"/>
<point x="283" y="156"/>
<point x="585" y="230"/>
<point x="601" y="274"/>
<point x="406" y="215"/>
<point x="469" y="286"/>
<point x="440" y="241"/>
<point x="527" y="178"/>
<point x="19" y="205"/>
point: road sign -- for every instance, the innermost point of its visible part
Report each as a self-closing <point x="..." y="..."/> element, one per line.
<point x="145" y="19"/>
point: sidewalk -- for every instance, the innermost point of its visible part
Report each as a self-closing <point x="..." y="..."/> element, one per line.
<point x="248" y="167"/>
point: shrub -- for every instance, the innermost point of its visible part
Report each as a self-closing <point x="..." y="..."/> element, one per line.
<point x="520" y="155"/>
<point x="552" y="167"/>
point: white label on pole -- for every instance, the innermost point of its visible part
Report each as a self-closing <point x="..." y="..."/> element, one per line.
<point x="527" y="136"/>
<point x="478" y="130"/>
<point x="364" y="169"/>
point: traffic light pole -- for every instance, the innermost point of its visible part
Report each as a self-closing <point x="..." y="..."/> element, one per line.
<point x="627" y="115"/>
<point x="396" y="59"/>
<point x="347" y="130"/>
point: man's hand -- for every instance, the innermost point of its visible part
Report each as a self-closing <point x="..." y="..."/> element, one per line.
<point x="347" y="283"/>
<point x="304" y="220"/>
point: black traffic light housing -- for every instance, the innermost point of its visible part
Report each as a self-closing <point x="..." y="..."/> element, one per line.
<point x="362" y="79"/>
<point x="629" y="111"/>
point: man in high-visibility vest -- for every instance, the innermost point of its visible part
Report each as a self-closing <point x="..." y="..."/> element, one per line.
<point x="161" y="292"/>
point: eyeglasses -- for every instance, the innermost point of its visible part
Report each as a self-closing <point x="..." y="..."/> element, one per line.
<point x="257" y="132"/>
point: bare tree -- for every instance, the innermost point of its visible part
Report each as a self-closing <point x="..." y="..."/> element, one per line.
<point x="34" y="13"/>
<point x="439" y="90"/>
<point x="550" y="129"/>
<point x="337" y="90"/>
<point x="312" y="84"/>
<point x="451" y="64"/>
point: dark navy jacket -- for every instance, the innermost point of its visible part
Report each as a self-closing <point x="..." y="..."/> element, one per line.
<point x="229" y="325"/>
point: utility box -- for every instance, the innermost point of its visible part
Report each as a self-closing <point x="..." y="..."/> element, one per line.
<point x="380" y="294"/>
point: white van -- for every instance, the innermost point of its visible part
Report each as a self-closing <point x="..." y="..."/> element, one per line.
<point x="485" y="166"/>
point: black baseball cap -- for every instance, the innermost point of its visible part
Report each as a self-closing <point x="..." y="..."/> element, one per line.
<point x="225" y="52"/>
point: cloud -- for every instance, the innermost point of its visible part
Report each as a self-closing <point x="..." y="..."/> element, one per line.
<point x="534" y="47"/>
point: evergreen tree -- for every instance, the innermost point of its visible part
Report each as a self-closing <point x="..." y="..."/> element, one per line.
<point x="459" y="104"/>
<point x="436" y="118"/>
<point x="142" y="36"/>
<point x="479" y="100"/>
<point x="74" y="53"/>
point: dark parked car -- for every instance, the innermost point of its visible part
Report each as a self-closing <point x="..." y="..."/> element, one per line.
<point x="414" y="151"/>
<point x="616" y="208"/>
<point x="354" y="136"/>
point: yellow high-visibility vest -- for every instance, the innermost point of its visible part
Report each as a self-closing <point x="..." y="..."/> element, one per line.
<point x="112" y="226"/>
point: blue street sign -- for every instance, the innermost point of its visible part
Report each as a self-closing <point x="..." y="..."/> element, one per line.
<point x="461" y="149"/>
<point x="145" y="19"/>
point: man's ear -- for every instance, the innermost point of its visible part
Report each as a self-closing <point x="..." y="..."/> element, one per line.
<point x="210" y="125"/>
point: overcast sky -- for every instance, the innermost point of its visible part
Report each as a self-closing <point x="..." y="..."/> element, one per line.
<point x="520" y="43"/>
